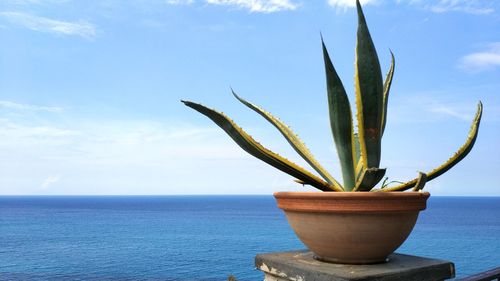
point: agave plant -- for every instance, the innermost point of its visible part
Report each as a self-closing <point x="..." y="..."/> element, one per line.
<point x="359" y="152"/>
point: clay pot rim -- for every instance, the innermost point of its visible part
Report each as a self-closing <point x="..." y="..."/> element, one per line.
<point x="351" y="202"/>
<point x="348" y="194"/>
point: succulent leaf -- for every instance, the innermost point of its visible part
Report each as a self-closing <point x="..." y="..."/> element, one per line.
<point x="299" y="182"/>
<point x="292" y="139"/>
<point x="358" y="163"/>
<point x="369" y="94"/>
<point x="369" y="178"/>
<point x="247" y="143"/>
<point x="360" y="152"/>
<point x="387" y="88"/>
<point x="340" y="121"/>
<point x="384" y="183"/>
<point x="421" y="181"/>
<point x="457" y="157"/>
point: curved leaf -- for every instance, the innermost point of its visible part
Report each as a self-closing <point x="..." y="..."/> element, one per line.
<point x="369" y="94"/>
<point x="421" y="181"/>
<point x="358" y="162"/>
<point x="247" y="143"/>
<point x="340" y="121"/>
<point x="387" y="88"/>
<point x="457" y="157"/>
<point x="292" y="139"/>
<point x="369" y="178"/>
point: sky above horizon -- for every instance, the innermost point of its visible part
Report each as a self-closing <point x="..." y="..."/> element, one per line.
<point x="90" y="91"/>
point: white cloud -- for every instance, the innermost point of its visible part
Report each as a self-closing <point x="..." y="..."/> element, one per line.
<point x="446" y="107"/>
<point x="348" y="3"/>
<point x="31" y="2"/>
<point x="257" y="6"/>
<point x="50" y="180"/>
<point x="126" y="157"/>
<point x="23" y="2"/>
<point x="82" y="28"/>
<point x="19" y="133"/>
<point x="180" y="2"/>
<point x="480" y="61"/>
<point x="462" y="113"/>
<point x="118" y="157"/>
<point x="435" y="106"/>
<point x="468" y="6"/>
<point x="477" y="7"/>
<point x="28" y="107"/>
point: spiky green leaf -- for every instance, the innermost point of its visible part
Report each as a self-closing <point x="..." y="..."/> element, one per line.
<point x="457" y="157"/>
<point x="247" y="143"/>
<point x="387" y="88"/>
<point x="421" y="181"/>
<point x="369" y="94"/>
<point x="340" y="121"/>
<point x="291" y="137"/>
<point x="299" y="182"/>
<point x="369" y="178"/>
<point x="358" y="163"/>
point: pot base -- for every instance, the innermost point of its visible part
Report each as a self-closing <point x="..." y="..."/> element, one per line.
<point x="356" y="261"/>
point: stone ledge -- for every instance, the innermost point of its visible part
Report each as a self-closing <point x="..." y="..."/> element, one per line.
<point x="301" y="266"/>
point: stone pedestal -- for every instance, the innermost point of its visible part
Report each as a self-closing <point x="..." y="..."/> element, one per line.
<point x="301" y="266"/>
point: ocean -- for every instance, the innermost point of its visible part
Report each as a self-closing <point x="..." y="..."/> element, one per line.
<point x="181" y="238"/>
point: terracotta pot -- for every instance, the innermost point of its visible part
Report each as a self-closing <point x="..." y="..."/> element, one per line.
<point x="352" y="227"/>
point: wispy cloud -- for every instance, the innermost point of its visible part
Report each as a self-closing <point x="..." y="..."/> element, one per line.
<point x="31" y="2"/>
<point x="50" y="180"/>
<point x="42" y="24"/>
<point x="25" y="123"/>
<point x="488" y="59"/>
<point x="460" y="112"/>
<point x="21" y="133"/>
<point x="116" y="157"/>
<point x="348" y="3"/>
<point x="254" y="6"/>
<point x="477" y="7"/>
<point x="28" y="107"/>
<point x="108" y="156"/>
<point x="180" y="2"/>
<point x="436" y="106"/>
<point x="259" y="6"/>
<point x="467" y="6"/>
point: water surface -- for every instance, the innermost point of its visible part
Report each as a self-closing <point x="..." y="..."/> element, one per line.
<point x="202" y="237"/>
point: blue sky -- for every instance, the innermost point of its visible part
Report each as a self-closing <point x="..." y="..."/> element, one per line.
<point x="90" y="90"/>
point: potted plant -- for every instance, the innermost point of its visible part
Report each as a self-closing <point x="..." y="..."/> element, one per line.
<point x="353" y="222"/>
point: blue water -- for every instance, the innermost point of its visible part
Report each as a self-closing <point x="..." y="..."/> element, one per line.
<point x="202" y="237"/>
